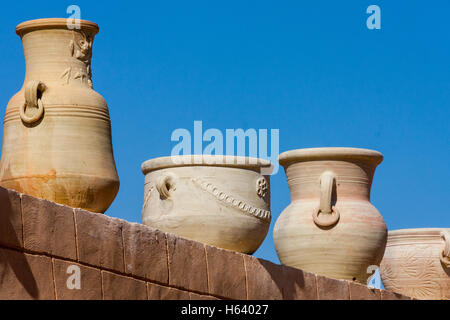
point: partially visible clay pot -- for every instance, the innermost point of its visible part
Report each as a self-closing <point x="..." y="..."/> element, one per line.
<point x="417" y="263"/>
<point x="57" y="131"/>
<point x="330" y="227"/>
<point x="202" y="198"/>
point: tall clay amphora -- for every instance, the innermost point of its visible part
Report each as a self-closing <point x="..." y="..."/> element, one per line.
<point x="57" y="131"/>
<point x="330" y="227"/>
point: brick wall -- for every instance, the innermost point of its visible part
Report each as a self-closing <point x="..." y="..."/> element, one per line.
<point x="41" y="241"/>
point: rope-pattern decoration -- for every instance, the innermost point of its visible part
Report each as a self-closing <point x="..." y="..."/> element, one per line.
<point x="147" y="197"/>
<point x="231" y="201"/>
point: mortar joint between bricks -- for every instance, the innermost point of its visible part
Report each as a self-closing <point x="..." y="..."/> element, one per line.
<point x="207" y="269"/>
<point x="76" y="234"/>
<point x="54" y="278"/>
<point x="246" y="277"/>
<point x="123" y="248"/>
<point x="168" y="258"/>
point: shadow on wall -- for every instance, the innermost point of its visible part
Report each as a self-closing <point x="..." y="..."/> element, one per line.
<point x="288" y="280"/>
<point x="14" y="267"/>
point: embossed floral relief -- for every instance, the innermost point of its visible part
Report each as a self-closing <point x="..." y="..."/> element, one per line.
<point x="80" y="48"/>
<point x="262" y="187"/>
<point x="414" y="272"/>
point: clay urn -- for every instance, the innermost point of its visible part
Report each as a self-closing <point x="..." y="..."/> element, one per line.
<point x="330" y="227"/>
<point x="220" y="201"/>
<point x="57" y="130"/>
<point x="417" y="263"/>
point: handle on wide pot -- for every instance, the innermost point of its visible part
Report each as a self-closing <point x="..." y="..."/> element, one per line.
<point x="445" y="255"/>
<point x="165" y="184"/>
<point x="33" y="93"/>
<point x="326" y="215"/>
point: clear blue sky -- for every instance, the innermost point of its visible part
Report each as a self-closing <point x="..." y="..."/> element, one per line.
<point x="314" y="71"/>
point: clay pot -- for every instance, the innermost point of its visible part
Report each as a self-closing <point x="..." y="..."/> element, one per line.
<point x="57" y="130"/>
<point x="221" y="203"/>
<point x="417" y="263"/>
<point x="330" y="227"/>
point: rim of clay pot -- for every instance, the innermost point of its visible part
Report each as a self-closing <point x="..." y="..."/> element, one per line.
<point x="330" y="153"/>
<point x="415" y="234"/>
<point x="52" y="23"/>
<point x="205" y="160"/>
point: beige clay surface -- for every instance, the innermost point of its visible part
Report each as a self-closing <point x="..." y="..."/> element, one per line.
<point x="224" y="204"/>
<point x="330" y="227"/>
<point x="57" y="130"/>
<point x="417" y="263"/>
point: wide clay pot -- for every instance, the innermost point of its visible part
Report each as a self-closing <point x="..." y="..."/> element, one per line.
<point x="57" y="130"/>
<point x="221" y="203"/>
<point x="417" y="263"/>
<point x="330" y="227"/>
